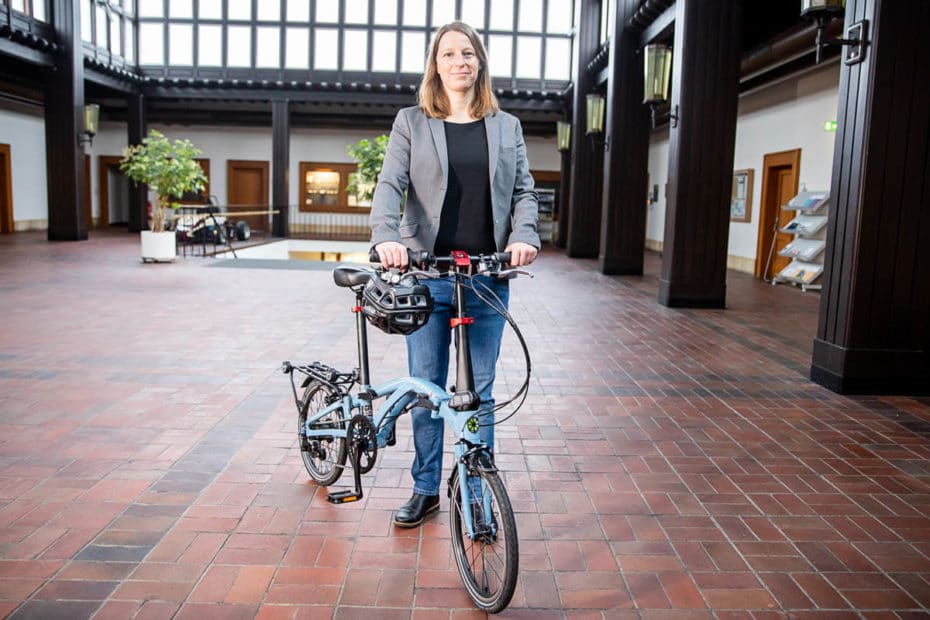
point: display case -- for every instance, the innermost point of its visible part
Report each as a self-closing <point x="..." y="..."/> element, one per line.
<point x="545" y="225"/>
<point x="806" y="250"/>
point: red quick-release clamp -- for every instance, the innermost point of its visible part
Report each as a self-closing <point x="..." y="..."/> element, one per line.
<point x="465" y="320"/>
<point x="460" y="258"/>
<point x="356" y="308"/>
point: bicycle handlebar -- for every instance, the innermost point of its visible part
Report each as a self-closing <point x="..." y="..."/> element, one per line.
<point x="423" y="259"/>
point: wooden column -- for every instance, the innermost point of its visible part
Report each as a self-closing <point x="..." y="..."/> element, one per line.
<point x="138" y="194"/>
<point x="64" y="120"/>
<point x="280" y="153"/>
<point x="584" y="208"/>
<point x="874" y="329"/>
<point x="705" y="80"/>
<point x="565" y="184"/>
<point x="626" y="158"/>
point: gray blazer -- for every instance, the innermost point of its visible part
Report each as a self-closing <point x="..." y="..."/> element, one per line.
<point x="417" y="161"/>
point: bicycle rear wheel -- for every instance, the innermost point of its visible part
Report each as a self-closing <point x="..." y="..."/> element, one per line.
<point x="488" y="564"/>
<point x="323" y="456"/>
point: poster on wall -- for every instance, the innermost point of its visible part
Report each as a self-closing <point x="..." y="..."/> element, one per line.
<point x="741" y="198"/>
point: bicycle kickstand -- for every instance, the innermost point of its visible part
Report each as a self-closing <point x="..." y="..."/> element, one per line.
<point x="348" y="495"/>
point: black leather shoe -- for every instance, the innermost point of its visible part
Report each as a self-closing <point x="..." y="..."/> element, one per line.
<point x="415" y="511"/>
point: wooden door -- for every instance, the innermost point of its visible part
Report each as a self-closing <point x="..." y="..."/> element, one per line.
<point x="88" y="205"/>
<point x="6" y="190"/>
<point x="247" y="190"/>
<point x="779" y="185"/>
<point x="106" y="163"/>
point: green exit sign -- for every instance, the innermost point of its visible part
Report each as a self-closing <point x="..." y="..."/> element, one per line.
<point x="829" y="126"/>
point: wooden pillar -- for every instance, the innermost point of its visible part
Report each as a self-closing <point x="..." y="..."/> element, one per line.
<point x="584" y="209"/>
<point x="64" y="121"/>
<point x="565" y="184"/>
<point x="705" y="80"/>
<point x="138" y="194"/>
<point x="873" y="333"/>
<point x="626" y="158"/>
<point x="280" y="153"/>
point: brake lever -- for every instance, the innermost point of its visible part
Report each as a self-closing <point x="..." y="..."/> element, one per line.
<point x="514" y="270"/>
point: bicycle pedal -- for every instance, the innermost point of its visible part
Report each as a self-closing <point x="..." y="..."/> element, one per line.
<point x="343" y="497"/>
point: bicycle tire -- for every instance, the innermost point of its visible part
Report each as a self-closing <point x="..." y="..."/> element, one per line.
<point x="486" y="557"/>
<point x="323" y="457"/>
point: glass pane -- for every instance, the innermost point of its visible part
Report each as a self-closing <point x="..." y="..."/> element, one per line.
<point x="502" y="15"/>
<point x="529" y="56"/>
<point x="355" y="51"/>
<point x="298" y="11"/>
<point x="473" y="14"/>
<point x="444" y="12"/>
<point x="327" y="12"/>
<point x="102" y="36"/>
<point x="181" y="44"/>
<point x="322" y="188"/>
<point x="412" y="52"/>
<point x="325" y="48"/>
<point x="356" y="11"/>
<point x="210" y="9"/>
<point x="269" y="10"/>
<point x="240" y="9"/>
<point x="130" y="54"/>
<point x="180" y="9"/>
<point x="268" y="47"/>
<point x="384" y="51"/>
<point x="38" y="10"/>
<point x="127" y="7"/>
<point x="414" y="12"/>
<point x="558" y="59"/>
<point x="210" y="46"/>
<point x="531" y="12"/>
<point x="386" y="12"/>
<point x="153" y="8"/>
<point x="560" y="16"/>
<point x="500" y="55"/>
<point x="239" y="46"/>
<point x="297" y="54"/>
<point x="19" y="5"/>
<point x="116" y="45"/>
<point x="151" y="44"/>
<point x="87" y="29"/>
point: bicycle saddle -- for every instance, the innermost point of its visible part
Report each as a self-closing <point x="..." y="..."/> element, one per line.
<point x="350" y="275"/>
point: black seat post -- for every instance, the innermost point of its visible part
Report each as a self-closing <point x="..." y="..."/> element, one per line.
<point x="360" y="328"/>
<point x="465" y="397"/>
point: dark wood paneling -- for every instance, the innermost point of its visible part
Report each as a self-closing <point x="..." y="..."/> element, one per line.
<point x="704" y="91"/>
<point x="280" y="164"/>
<point x="138" y="194"/>
<point x="626" y="160"/>
<point x="873" y="333"/>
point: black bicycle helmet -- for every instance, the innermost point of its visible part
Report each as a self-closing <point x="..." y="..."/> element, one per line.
<point x="400" y="307"/>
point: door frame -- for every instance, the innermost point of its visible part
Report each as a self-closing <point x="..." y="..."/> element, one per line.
<point x="105" y="162"/>
<point x="6" y="171"/>
<point x="768" y="209"/>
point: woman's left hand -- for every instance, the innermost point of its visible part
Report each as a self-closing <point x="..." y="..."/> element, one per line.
<point x="521" y="254"/>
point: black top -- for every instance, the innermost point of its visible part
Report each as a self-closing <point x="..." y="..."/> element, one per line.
<point x="467" y="222"/>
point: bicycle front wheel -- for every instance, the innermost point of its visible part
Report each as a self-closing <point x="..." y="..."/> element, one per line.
<point x="489" y="562"/>
<point x="323" y="456"/>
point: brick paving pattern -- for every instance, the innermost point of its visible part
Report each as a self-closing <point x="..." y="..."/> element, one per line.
<point x="668" y="463"/>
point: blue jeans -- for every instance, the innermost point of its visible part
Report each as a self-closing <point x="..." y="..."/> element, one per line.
<point x="428" y="358"/>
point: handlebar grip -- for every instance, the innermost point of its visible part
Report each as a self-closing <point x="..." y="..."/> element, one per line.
<point x="417" y="258"/>
<point x="502" y="257"/>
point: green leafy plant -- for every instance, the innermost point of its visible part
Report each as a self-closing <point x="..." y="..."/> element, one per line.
<point x="370" y="157"/>
<point x="168" y="168"/>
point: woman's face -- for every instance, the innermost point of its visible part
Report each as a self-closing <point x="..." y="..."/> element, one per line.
<point x="457" y="62"/>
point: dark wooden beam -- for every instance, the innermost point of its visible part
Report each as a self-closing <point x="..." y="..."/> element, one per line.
<point x="138" y="194"/>
<point x="64" y="120"/>
<point x="280" y="161"/>
<point x="626" y="160"/>
<point x="873" y="333"/>
<point x="660" y="29"/>
<point x="705" y="88"/>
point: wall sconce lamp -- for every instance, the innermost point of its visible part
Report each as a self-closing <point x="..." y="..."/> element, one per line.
<point x="563" y="135"/>
<point x="595" y="117"/>
<point x="822" y="12"/>
<point x="658" y="70"/>
<point x="91" y="123"/>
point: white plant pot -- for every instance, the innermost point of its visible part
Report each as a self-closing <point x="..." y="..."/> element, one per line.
<point x="158" y="247"/>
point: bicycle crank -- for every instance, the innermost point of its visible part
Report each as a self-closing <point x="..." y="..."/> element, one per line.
<point x="363" y="443"/>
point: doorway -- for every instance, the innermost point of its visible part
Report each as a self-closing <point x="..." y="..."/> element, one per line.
<point x="6" y="190"/>
<point x="247" y="190"/>
<point x="88" y="205"/>
<point x="114" y="192"/>
<point x="780" y="173"/>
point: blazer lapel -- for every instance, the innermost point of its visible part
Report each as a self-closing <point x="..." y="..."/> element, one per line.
<point x="438" y="130"/>
<point x="493" y="127"/>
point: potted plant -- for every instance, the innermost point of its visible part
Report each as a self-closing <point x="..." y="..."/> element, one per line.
<point x="169" y="169"/>
<point x="370" y="157"/>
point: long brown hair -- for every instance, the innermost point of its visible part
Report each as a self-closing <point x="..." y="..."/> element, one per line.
<point x="432" y="96"/>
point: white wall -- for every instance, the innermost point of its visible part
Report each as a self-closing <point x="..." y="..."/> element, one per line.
<point x="784" y="116"/>
<point x="24" y="130"/>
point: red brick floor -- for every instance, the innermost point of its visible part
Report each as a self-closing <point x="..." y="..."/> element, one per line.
<point x="668" y="463"/>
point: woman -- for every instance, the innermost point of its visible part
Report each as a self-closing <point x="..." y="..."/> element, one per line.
<point x="462" y="163"/>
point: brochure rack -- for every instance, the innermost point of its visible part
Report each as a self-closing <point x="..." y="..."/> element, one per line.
<point x="806" y="251"/>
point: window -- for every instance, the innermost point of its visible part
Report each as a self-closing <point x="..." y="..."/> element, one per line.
<point x="323" y="188"/>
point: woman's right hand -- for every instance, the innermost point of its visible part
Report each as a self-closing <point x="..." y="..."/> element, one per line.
<point x="392" y="254"/>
